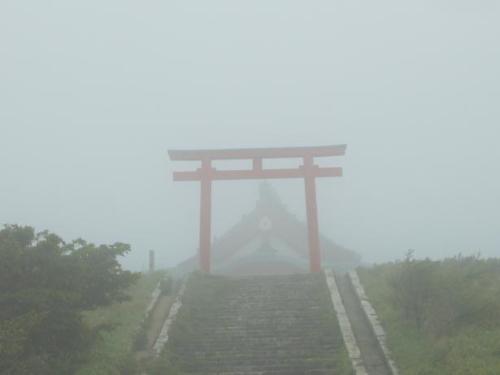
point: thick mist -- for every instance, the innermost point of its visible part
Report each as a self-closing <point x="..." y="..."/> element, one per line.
<point x="92" y="94"/>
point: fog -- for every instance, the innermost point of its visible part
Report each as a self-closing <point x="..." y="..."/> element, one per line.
<point x="94" y="93"/>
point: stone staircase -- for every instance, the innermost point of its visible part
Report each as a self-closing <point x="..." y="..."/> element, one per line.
<point x="266" y="325"/>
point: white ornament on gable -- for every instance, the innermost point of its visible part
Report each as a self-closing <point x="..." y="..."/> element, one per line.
<point x="265" y="224"/>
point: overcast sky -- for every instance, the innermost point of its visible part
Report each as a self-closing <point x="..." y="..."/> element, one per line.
<point x="93" y="93"/>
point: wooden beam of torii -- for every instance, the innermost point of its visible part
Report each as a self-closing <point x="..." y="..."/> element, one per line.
<point x="308" y="171"/>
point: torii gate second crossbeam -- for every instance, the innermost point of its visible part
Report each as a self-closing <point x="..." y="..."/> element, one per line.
<point x="308" y="171"/>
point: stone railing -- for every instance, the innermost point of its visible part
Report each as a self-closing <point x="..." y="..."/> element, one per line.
<point x="155" y="296"/>
<point x="372" y="317"/>
<point x="174" y="309"/>
<point x="345" y="326"/>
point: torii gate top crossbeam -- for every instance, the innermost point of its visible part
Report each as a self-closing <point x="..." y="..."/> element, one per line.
<point x="257" y="155"/>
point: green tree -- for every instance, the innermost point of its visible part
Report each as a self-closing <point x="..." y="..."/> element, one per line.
<point x="45" y="286"/>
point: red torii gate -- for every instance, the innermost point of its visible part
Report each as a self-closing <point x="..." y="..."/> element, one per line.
<point x="309" y="171"/>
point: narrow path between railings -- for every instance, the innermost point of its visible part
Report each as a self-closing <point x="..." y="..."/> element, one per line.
<point x="371" y="353"/>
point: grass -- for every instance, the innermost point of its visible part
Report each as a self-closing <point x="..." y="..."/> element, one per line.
<point x="459" y="330"/>
<point x="111" y="354"/>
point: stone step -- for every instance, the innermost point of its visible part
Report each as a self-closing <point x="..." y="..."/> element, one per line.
<point x="272" y="325"/>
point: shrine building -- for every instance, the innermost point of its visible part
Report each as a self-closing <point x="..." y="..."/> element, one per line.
<point x="270" y="240"/>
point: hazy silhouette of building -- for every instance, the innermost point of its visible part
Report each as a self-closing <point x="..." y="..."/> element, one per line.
<point x="270" y="240"/>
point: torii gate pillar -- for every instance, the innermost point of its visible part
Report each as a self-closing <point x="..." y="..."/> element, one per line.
<point x="205" y="215"/>
<point x="312" y="217"/>
<point x="308" y="171"/>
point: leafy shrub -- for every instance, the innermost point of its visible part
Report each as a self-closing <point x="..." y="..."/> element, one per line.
<point x="440" y="296"/>
<point x="112" y="352"/>
<point x="413" y="289"/>
<point x="442" y="317"/>
<point x="45" y="287"/>
<point x="141" y="338"/>
<point x="130" y="366"/>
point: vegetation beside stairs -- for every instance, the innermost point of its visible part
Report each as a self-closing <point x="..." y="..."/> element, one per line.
<point x="441" y="317"/>
<point x="124" y="349"/>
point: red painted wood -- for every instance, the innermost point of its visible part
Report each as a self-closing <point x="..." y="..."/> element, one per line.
<point x="257" y="174"/>
<point x="252" y="153"/>
<point x="312" y="216"/>
<point x="257" y="164"/>
<point x="205" y="217"/>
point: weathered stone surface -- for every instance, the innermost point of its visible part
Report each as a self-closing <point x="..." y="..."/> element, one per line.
<point x="266" y="325"/>
<point x="372" y="319"/>
<point x="345" y="326"/>
<point x="174" y="309"/>
<point x="371" y="354"/>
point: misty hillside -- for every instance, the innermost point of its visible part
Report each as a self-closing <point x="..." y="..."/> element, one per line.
<point x="442" y="317"/>
<point x="226" y="187"/>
